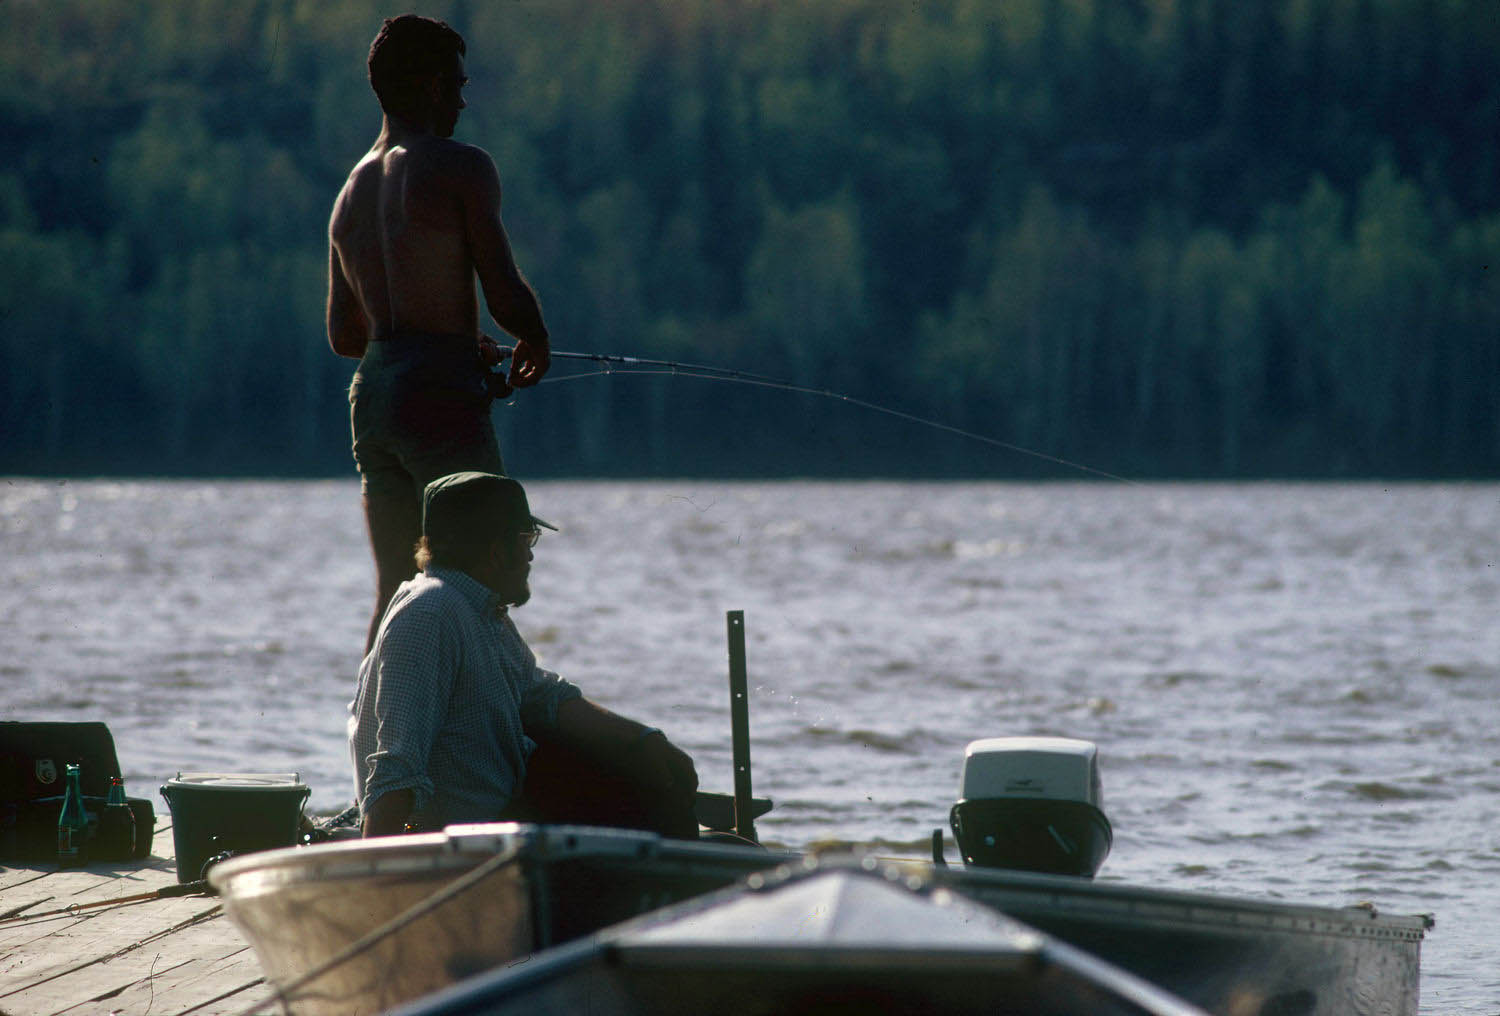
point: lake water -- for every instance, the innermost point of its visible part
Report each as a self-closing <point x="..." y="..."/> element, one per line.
<point x="1293" y="687"/>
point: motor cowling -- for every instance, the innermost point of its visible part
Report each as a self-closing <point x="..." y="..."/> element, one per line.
<point x="1032" y="804"/>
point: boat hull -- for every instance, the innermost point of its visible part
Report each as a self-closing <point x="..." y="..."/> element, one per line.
<point x="549" y="885"/>
<point x="1226" y="955"/>
<point x="841" y="938"/>
<point x="300" y="915"/>
<point x="531" y="887"/>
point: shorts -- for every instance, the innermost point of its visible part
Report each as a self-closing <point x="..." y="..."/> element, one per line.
<point x="419" y="409"/>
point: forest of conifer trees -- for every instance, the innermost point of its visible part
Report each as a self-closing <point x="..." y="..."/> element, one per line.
<point x="1197" y="238"/>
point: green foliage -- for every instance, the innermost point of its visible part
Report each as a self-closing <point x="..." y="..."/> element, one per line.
<point x="804" y="287"/>
<point x="1186" y="237"/>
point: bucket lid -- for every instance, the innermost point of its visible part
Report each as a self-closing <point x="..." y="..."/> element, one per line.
<point x="239" y="781"/>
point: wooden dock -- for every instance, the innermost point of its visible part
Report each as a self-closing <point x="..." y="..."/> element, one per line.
<point x="155" y="957"/>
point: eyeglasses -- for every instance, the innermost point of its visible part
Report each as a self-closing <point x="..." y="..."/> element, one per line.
<point x="530" y="536"/>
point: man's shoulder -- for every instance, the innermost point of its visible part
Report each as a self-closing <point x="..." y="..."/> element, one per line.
<point x="423" y="590"/>
<point x="438" y="592"/>
<point x="365" y="174"/>
<point x="370" y="165"/>
<point x="465" y="161"/>
<point x="423" y="609"/>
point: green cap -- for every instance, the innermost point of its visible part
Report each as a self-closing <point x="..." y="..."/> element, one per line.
<point x="459" y="503"/>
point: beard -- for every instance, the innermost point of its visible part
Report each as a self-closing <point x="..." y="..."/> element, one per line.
<point x="517" y="590"/>
<point x="508" y="575"/>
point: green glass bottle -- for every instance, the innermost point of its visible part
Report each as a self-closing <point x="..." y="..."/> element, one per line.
<point x="114" y="840"/>
<point x="73" y="823"/>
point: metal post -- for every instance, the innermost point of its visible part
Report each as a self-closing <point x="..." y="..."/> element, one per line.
<point x="739" y="718"/>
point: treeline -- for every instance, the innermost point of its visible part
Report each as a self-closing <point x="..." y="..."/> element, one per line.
<point x="1160" y="237"/>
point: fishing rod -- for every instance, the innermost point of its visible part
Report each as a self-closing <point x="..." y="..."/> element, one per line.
<point x="167" y="892"/>
<point x="614" y="359"/>
<point x="643" y="366"/>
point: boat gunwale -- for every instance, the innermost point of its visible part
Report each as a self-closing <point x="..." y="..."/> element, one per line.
<point x="460" y="847"/>
<point x="1064" y="894"/>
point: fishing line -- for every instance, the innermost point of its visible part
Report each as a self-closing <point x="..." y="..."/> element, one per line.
<point x="639" y="367"/>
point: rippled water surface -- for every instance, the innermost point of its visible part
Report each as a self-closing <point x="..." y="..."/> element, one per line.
<point x="1293" y="687"/>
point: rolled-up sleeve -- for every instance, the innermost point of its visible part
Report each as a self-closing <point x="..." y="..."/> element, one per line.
<point x="408" y="690"/>
<point x="544" y="693"/>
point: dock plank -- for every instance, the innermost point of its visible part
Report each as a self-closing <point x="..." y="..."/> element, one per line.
<point x="31" y="910"/>
<point x="71" y="949"/>
<point x="103" y="930"/>
<point x="254" y="996"/>
<point x="12" y="878"/>
<point x="197" y="949"/>
<point x="165" y="956"/>
<point x="72" y="888"/>
<point x="197" y="986"/>
<point x="108" y="982"/>
<point x="28" y="888"/>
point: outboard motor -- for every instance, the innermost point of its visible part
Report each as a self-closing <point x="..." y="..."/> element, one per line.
<point x="1032" y="804"/>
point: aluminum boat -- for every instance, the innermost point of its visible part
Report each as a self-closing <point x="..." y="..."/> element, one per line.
<point x="846" y="937"/>
<point x="362" y="927"/>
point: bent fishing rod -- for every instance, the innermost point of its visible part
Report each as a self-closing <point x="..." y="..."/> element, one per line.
<point x="611" y="363"/>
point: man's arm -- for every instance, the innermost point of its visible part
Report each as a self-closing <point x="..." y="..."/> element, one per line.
<point x="643" y="753"/>
<point x="405" y="686"/>
<point x="507" y="294"/>
<point x="348" y="331"/>
<point x="387" y="814"/>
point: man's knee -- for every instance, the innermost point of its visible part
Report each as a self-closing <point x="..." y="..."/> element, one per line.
<point x="566" y="787"/>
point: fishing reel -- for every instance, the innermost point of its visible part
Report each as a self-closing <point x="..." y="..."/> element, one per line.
<point x="496" y="384"/>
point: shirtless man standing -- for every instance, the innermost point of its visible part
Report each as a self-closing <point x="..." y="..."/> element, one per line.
<point x="417" y="220"/>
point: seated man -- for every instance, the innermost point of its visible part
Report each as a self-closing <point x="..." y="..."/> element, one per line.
<point x="451" y="705"/>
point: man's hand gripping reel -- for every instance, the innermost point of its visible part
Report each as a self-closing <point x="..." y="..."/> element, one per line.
<point x="495" y="378"/>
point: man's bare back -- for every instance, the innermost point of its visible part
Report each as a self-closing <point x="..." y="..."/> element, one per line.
<point x="415" y="224"/>
<point x="398" y="229"/>
<point x="417" y="219"/>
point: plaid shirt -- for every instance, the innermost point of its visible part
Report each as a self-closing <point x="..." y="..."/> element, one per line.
<point x="444" y="701"/>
